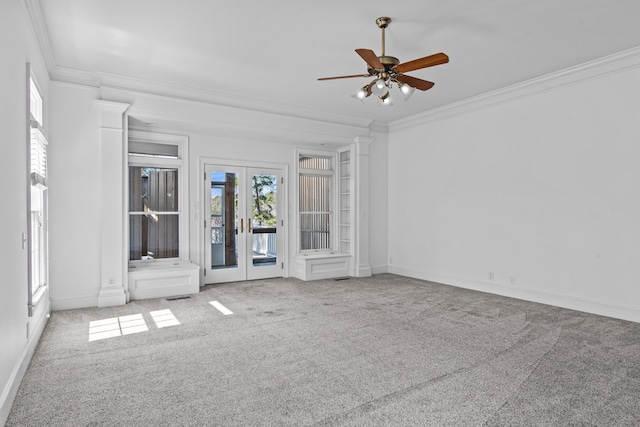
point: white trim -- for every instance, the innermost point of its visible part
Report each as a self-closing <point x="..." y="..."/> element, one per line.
<point x="379" y="269"/>
<point x="17" y="374"/>
<point x="38" y="296"/>
<point x="194" y="116"/>
<point x="182" y="165"/>
<point x="315" y="266"/>
<point x="334" y="214"/>
<point x="163" y="280"/>
<point x="113" y="142"/>
<point x="589" y="70"/>
<point x="71" y="303"/>
<point x="283" y="195"/>
<point x="617" y="311"/>
<point x="40" y="32"/>
<point x="154" y="88"/>
<point x="362" y="206"/>
<point x="35" y="95"/>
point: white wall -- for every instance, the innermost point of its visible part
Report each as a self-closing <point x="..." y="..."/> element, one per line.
<point x="543" y="188"/>
<point x="74" y="197"/>
<point x="17" y="47"/>
<point x="378" y="193"/>
<point x="215" y="133"/>
<point x="225" y="150"/>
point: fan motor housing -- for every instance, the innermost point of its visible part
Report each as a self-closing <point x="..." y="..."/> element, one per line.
<point x="388" y="61"/>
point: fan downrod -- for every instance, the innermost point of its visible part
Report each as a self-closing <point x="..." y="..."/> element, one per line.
<point x="388" y="61"/>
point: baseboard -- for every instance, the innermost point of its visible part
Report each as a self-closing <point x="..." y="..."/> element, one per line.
<point x="380" y="269"/>
<point x="527" y="294"/>
<point x="11" y="388"/>
<point x="85" y="301"/>
<point x="363" y="270"/>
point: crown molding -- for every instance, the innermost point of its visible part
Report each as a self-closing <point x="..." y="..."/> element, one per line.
<point x="72" y="76"/>
<point x="105" y="80"/>
<point x="185" y="93"/>
<point x="379" y="127"/>
<point x="40" y="31"/>
<point x="195" y="116"/>
<point x="589" y="70"/>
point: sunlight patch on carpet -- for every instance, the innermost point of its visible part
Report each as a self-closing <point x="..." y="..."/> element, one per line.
<point x="132" y="324"/>
<point x="164" y="318"/>
<point x="224" y="310"/>
<point x="116" y="326"/>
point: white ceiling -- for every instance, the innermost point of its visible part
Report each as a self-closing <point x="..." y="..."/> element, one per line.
<point x="269" y="54"/>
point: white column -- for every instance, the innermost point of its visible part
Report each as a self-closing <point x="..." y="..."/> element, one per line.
<point x="111" y="213"/>
<point x="362" y="188"/>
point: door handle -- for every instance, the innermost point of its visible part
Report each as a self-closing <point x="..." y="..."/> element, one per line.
<point x="249" y="225"/>
<point x="241" y="225"/>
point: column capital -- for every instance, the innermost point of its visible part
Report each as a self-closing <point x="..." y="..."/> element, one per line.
<point x="111" y="113"/>
<point x="362" y="144"/>
<point x="363" y="140"/>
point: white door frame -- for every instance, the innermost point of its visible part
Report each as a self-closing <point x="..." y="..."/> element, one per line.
<point x="246" y="167"/>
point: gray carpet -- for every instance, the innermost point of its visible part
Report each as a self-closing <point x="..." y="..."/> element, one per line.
<point x="386" y="350"/>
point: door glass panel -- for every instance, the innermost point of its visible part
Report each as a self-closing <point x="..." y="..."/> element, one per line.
<point x="264" y="219"/>
<point x="224" y="220"/>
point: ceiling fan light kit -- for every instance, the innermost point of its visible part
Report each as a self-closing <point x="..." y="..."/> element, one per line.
<point x="387" y="71"/>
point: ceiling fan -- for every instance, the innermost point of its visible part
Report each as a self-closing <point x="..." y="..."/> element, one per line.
<point x="388" y="70"/>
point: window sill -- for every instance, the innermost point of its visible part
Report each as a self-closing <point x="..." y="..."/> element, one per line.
<point x="315" y="255"/>
<point x="38" y="296"/>
<point x="160" y="265"/>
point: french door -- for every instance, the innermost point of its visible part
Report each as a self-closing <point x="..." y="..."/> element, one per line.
<point x="244" y="237"/>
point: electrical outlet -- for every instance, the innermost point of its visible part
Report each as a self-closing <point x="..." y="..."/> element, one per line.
<point x="492" y="276"/>
<point x="512" y="280"/>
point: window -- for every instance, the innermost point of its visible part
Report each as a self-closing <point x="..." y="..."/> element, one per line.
<point x="153" y="213"/>
<point x="316" y="176"/>
<point x="35" y="102"/>
<point x="37" y="197"/>
<point x="155" y="199"/>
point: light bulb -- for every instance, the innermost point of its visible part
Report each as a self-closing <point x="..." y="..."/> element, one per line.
<point x="406" y="90"/>
<point x="379" y="88"/>
<point x="386" y="100"/>
<point x="361" y="94"/>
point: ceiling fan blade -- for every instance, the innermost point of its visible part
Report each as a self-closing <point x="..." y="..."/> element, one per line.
<point x="370" y="58"/>
<point x="414" y="82"/>
<point x="427" y="61"/>
<point x="344" y="77"/>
